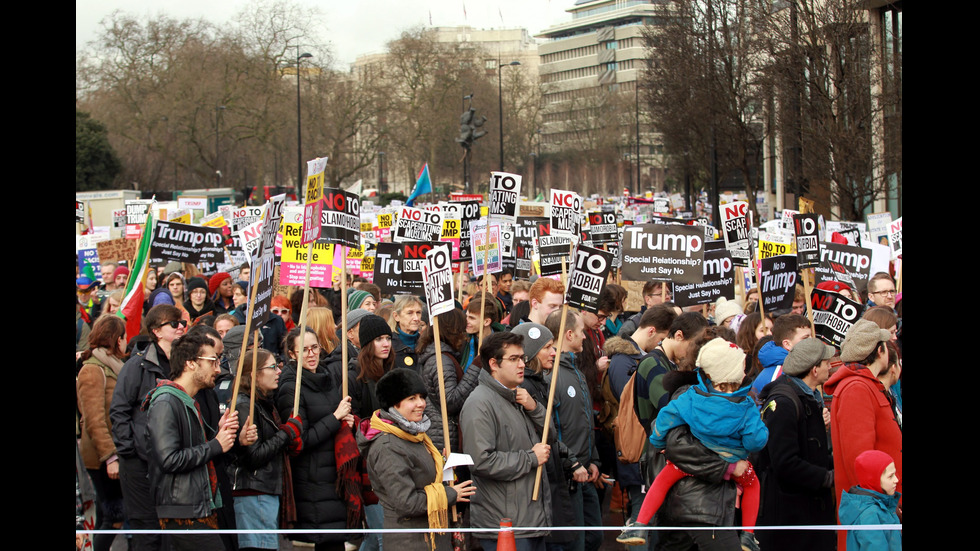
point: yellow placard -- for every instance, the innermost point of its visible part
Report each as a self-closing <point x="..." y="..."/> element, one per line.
<point x="182" y="219"/>
<point x="367" y="264"/>
<point x="293" y="251"/>
<point x="217" y="222"/>
<point x="386" y="220"/>
<point x="769" y="249"/>
<point x="314" y="188"/>
<point x="450" y="228"/>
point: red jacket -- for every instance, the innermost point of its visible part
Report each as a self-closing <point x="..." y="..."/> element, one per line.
<point x="861" y="419"/>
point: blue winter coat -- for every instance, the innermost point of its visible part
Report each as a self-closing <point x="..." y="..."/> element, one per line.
<point x="727" y="424"/>
<point x="860" y="506"/>
<point x="771" y="356"/>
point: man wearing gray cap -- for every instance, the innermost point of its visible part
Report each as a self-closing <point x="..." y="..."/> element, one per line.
<point x="796" y="465"/>
<point x="861" y="416"/>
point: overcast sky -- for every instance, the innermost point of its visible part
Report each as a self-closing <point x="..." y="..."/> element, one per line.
<point x="353" y="27"/>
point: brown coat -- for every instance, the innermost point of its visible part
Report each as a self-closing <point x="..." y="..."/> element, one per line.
<point x="95" y="384"/>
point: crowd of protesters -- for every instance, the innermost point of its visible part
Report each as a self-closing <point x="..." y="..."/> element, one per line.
<point x="164" y="448"/>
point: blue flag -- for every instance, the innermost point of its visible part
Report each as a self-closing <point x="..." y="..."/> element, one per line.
<point x="423" y="185"/>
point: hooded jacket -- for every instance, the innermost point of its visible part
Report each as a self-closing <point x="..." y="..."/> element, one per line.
<point x="861" y="419"/>
<point x="771" y="356"/>
<point x="138" y="377"/>
<point x="498" y="433"/>
<point x="860" y="506"/>
<point x="574" y="423"/>
<point x="457" y="390"/>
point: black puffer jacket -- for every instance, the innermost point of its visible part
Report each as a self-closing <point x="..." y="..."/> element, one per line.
<point x="315" y="468"/>
<point x="138" y="376"/>
<point x="457" y="390"/>
<point x="405" y="355"/>
<point x="258" y="467"/>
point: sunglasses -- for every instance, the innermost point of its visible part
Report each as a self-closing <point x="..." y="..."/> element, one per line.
<point x="174" y="324"/>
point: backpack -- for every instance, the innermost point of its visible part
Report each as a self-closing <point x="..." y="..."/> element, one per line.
<point x="630" y="437"/>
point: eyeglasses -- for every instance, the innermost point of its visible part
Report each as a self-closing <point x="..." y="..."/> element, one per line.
<point x="277" y="367"/>
<point x="315" y="349"/>
<point x="174" y="324"/>
<point x="212" y="359"/>
<point x="516" y="358"/>
<point x="279" y="311"/>
<point x="602" y="317"/>
<point x="889" y="292"/>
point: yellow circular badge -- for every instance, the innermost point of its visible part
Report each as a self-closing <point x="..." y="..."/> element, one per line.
<point x="409" y="360"/>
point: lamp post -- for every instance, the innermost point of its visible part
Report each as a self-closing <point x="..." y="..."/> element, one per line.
<point x="217" y="147"/>
<point x="299" y="127"/>
<point x="500" y="107"/>
<point x="637" y="100"/>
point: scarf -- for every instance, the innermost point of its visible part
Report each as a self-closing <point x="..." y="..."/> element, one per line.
<point x="349" y="483"/>
<point x="108" y="359"/>
<point x="410" y="340"/>
<point x="437" y="505"/>
<point x="411" y="427"/>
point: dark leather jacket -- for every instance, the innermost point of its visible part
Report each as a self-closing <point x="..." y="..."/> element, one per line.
<point x="706" y="497"/>
<point x="258" y="467"/>
<point x="179" y="456"/>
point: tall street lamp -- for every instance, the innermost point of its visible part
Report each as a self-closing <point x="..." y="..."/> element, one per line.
<point x="500" y="107"/>
<point x="299" y="127"/>
<point x="217" y="144"/>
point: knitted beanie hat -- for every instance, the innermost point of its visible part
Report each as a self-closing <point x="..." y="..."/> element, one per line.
<point x="196" y="283"/>
<point x="354" y="317"/>
<point x="726" y="308"/>
<point x="398" y="384"/>
<point x="722" y="361"/>
<point x="805" y="355"/>
<point x="536" y="336"/>
<point x="216" y="280"/>
<point x="372" y="327"/>
<point x="868" y="467"/>
<point x="355" y="297"/>
<point x="120" y="270"/>
<point x="861" y="340"/>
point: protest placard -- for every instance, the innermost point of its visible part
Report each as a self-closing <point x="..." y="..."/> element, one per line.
<point x="735" y="231"/>
<point x="590" y="269"/>
<point x="398" y="266"/>
<point x="136" y="213"/>
<point x="833" y="315"/>
<point x="114" y="250"/>
<point x="661" y="205"/>
<point x="769" y="249"/>
<point x="478" y="239"/>
<point x="507" y="240"/>
<point x="292" y="270"/>
<point x="119" y="218"/>
<point x="386" y="221"/>
<point x="777" y="282"/>
<point x="340" y="219"/>
<point x="245" y="216"/>
<point x="565" y="208"/>
<point x="79" y="212"/>
<point x="438" y="277"/>
<point x="878" y="223"/>
<point x="719" y="279"/>
<point x="313" y="204"/>
<point x="552" y="248"/>
<point x="807" y="240"/>
<point x="849" y="230"/>
<point x="417" y="225"/>
<point x="895" y="237"/>
<point x="525" y="235"/>
<point x="186" y="243"/>
<point x="367" y="265"/>
<point x="664" y="252"/>
<point x="505" y="190"/>
<point x="469" y="211"/>
<point x="857" y="261"/>
<point x="264" y="261"/>
<point x="602" y="226"/>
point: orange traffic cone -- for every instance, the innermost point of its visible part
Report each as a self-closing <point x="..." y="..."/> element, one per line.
<point x="505" y="538"/>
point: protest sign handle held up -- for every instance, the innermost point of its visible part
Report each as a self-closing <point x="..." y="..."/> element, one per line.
<point x="255" y="360"/>
<point x="808" y="288"/>
<point x="302" y="323"/>
<point x="442" y="392"/>
<point x="343" y="318"/>
<point x="248" y="329"/>
<point x="486" y="285"/>
<point x="559" y="339"/>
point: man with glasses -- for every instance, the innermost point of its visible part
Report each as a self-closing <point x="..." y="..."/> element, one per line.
<point x="881" y="291"/>
<point x="501" y="428"/>
<point x="182" y="455"/>
<point x="150" y="362"/>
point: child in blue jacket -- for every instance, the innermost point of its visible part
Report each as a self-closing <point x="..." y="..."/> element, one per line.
<point x="873" y="501"/>
<point x="724" y="418"/>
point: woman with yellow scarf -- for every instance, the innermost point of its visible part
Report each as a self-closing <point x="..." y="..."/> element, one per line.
<point x="404" y="466"/>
